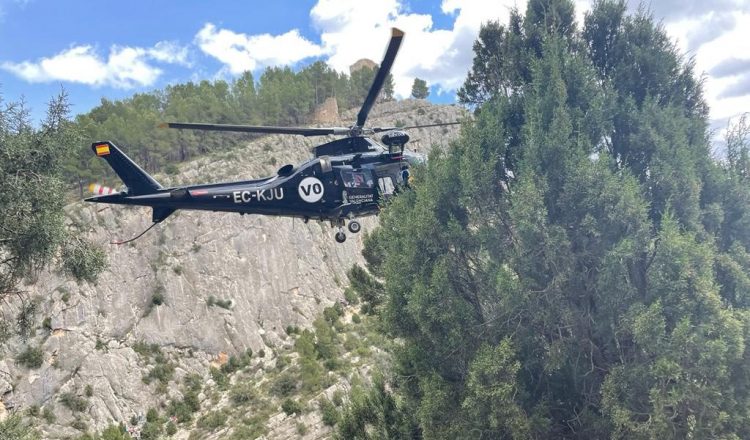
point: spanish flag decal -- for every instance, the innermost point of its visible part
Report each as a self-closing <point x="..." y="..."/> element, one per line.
<point x="102" y="150"/>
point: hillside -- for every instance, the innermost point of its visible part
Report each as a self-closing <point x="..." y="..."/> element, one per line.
<point x="197" y="291"/>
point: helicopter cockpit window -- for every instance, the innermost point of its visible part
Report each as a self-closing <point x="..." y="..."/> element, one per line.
<point x="357" y="178"/>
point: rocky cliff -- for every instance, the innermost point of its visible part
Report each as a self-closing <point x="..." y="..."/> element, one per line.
<point x="198" y="289"/>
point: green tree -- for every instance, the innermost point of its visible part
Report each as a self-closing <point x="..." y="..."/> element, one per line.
<point x="33" y="234"/>
<point x="419" y="89"/>
<point x="388" y="86"/>
<point x="574" y="266"/>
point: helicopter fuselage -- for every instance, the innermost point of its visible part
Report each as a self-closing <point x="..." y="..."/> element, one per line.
<point x="324" y="188"/>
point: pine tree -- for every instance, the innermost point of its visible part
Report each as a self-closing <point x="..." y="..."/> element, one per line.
<point x="419" y="89"/>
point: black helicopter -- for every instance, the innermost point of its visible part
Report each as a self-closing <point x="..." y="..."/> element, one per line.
<point x="348" y="178"/>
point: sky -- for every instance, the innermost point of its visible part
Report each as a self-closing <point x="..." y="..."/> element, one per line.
<point x="107" y="49"/>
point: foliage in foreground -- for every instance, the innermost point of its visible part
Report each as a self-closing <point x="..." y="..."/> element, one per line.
<point x="576" y="265"/>
<point x="33" y="234"/>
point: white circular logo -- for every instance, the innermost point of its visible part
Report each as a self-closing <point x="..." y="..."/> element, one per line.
<point x="311" y="189"/>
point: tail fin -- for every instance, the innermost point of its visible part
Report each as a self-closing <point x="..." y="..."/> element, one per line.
<point x="138" y="181"/>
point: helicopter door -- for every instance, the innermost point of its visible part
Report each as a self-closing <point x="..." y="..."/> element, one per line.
<point x="358" y="185"/>
<point x="386" y="186"/>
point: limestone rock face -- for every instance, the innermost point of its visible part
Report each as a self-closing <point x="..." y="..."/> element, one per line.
<point x="275" y="271"/>
<point x="327" y="112"/>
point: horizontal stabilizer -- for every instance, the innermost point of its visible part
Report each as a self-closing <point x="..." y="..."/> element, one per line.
<point x="160" y="213"/>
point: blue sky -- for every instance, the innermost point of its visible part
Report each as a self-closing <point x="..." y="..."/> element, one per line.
<point x="114" y="49"/>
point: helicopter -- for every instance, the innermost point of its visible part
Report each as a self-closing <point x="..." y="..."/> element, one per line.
<point x="347" y="178"/>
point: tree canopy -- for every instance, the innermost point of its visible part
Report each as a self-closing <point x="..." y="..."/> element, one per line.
<point x="419" y="89"/>
<point x="33" y="233"/>
<point x="575" y="266"/>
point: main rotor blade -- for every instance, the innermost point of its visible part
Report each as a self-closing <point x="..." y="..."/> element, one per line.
<point x="385" y="68"/>
<point x="429" y="125"/>
<point x="382" y="129"/>
<point x="304" y="131"/>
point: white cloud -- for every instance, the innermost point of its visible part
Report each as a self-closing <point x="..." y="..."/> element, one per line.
<point x="355" y="29"/>
<point x="723" y="92"/>
<point x="352" y="29"/>
<point x="240" y="52"/>
<point x="126" y="67"/>
<point x="170" y="52"/>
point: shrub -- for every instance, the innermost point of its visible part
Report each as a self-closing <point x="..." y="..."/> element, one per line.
<point x="327" y="341"/>
<point x="14" y="427"/>
<point x="237" y="362"/>
<point x="89" y="391"/>
<point x="261" y="353"/>
<point x="146" y="350"/>
<point x="25" y="318"/>
<point x="282" y="362"/>
<point x="191" y="400"/>
<point x="212" y="420"/>
<point x="193" y="382"/>
<point x="248" y="432"/>
<point x="221" y="379"/>
<point x="243" y="393"/>
<point x="158" y="298"/>
<point x="47" y="323"/>
<point x="331" y="364"/>
<point x="337" y="398"/>
<point x="232" y="365"/>
<point x="172" y="169"/>
<point x="34" y="410"/>
<point x="351" y="296"/>
<point x="163" y="372"/>
<point x="49" y="414"/>
<point x="311" y="374"/>
<point x="99" y="344"/>
<point x="171" y="429"/>
<point x="223" y="303"/>
<point x="152" y="415"/>
<point x="356" y="319"/>
<point x="151" y="430"/>
<point x="180" y="410"/>
<point x="73" y="402"/>
<point x="32" y="357"/>
<point x="301" y="428"/>
<point x="284" y="385"/>
<point x="115" y="432"/>
<point x="292" y="330"/>
<point x="330" y="414"/>
<point x="290" y="407"/>
<point x="332" y="314"/>
<point x="79" y="425"/>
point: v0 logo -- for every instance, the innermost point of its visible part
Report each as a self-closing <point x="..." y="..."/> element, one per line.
<point x="311" y="189"/>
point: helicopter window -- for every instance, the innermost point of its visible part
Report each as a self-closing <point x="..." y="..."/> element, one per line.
<point x="357" y="179"/>
<point x="386" y="185"/>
